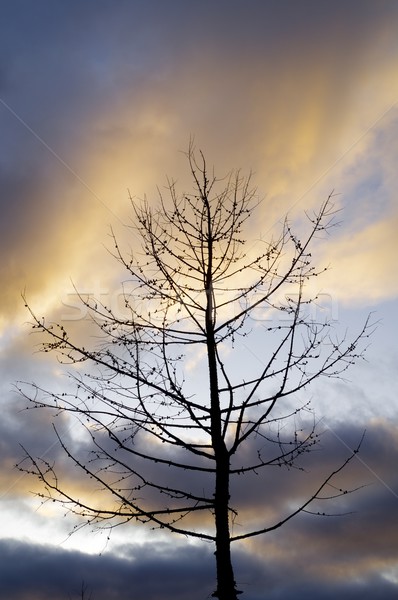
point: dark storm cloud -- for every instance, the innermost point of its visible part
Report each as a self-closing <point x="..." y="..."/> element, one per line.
<point x="254" y="497"/>
<point x="260" y="501"/>
<point x="164" y="572"/>
<point x="153" y="572"/>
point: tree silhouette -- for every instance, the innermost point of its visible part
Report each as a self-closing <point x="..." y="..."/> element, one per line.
<point x="166" y="451"/>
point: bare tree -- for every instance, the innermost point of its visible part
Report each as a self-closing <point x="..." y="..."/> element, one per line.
<point x="162" y="452"/>
<point x="83" y="593"/>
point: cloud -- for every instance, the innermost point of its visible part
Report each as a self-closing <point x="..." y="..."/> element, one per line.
<point x="39" y="572"/>
<point x="96" y="100"/>
<point x="260" y="501"/>
<point x="168" y="570"/>
<point x="363" y="263"/>
<point x="123" y="108"/>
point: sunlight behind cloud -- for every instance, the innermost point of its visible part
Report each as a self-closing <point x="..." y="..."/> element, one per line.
<point x="98" y="102"/>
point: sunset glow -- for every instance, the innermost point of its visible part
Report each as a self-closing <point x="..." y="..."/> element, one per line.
<point x="98" y="102"/>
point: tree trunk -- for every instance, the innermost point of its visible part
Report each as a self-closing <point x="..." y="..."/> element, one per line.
<point x="226" y="587"/>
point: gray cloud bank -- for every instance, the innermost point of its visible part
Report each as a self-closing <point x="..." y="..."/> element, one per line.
<point x="352" y="556"/>
<point x="40" y="572"/>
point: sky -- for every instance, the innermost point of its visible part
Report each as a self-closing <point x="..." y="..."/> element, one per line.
<point x="98" y="100"/>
